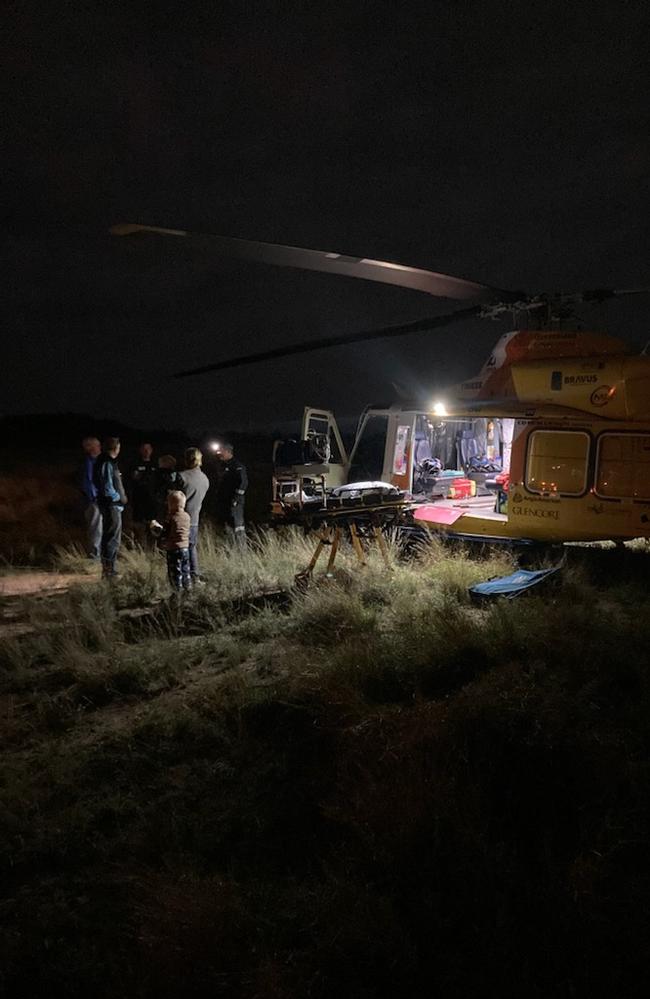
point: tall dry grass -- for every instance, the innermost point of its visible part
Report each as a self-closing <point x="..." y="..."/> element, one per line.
<point x="379" y="789"/>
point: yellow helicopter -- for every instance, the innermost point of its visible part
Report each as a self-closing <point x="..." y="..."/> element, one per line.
<point x="549" y="442"/>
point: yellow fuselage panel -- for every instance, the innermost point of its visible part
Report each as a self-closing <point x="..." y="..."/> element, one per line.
<point x="570" y="518"/>
<point x="549" y="513"/>
<point x="597" y="510"/>
<point x="559" y="518"/>
<point x="611" y="388"/>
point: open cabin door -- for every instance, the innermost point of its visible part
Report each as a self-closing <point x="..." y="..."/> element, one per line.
<point x="409" y="447"/>
<point x="384" y="447"/>
<point x="398" y="457"/>
<point x="319" y="426"/>
<point x="304" y="469"/>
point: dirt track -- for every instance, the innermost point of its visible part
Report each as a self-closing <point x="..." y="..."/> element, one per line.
<point x="32" y="582"/>
<point x="14" y="621"/>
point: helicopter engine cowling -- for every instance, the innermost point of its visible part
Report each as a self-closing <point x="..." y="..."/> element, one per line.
<point x="495" y="380"/>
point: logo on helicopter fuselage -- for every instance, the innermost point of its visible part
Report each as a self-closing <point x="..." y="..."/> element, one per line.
<point x="580" y="379"/>
<point x="601" y="395"/>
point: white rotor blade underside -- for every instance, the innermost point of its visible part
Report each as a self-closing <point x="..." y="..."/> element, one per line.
<point x="382" y="271"/>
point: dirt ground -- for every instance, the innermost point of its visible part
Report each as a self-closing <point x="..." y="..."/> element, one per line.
<point x="33" y="582"/>
<point x="16" y="586"/>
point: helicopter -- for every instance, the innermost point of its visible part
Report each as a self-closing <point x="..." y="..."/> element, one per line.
<point x="550" y="442"/>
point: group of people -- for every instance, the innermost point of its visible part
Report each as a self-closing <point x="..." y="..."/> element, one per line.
<point x="165" y="503"/>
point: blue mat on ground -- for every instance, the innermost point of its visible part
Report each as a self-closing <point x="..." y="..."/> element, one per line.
<point x="511" y="586"/>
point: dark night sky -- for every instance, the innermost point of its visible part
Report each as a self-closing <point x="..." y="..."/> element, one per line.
<point x="504" y="142"/>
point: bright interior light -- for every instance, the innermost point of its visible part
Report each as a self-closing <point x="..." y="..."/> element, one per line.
<point x="439" y="409"/>
<point x="214" y="446"/>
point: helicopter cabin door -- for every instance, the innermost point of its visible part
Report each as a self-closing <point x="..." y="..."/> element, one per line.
<point x="398" y="456"/>
<point x="320" y="428"/>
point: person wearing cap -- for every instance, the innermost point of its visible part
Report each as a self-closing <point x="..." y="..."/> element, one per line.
<point x="195" y="486"/>
<point x="231" y="493"/>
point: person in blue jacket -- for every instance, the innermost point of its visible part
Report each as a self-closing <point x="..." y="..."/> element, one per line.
<point x="111" y="500"/>
<point x="92" y="514"/>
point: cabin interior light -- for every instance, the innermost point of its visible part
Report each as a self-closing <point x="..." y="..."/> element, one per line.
<point x="214" y="446"/>
<point x="439" y="409"/>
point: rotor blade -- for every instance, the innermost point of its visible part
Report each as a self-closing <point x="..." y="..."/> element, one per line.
<point x="602" y="294"/>
<point x="306" y="347"/>
<point x="440" y="285"/>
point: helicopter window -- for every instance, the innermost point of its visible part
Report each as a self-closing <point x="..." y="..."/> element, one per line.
<point x="368" y="462"/>
<point x="557" y="462"/>
<point x="321" y="433"/>
<point x="623" y="466"/>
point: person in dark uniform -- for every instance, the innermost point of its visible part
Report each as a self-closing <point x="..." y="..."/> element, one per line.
<point x="231" y="493"/>
<point x="165" y="480"/>
<point x="140" y="490"/>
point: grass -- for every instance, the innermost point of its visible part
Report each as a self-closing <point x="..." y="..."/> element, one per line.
<point x="378" y="789"/>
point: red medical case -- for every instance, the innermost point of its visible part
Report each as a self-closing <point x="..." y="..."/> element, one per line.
<point x="461" y="489"/>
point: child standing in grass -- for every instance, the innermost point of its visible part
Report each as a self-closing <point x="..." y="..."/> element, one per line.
<point x="175" y="534"/>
